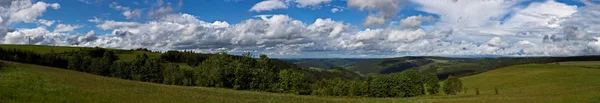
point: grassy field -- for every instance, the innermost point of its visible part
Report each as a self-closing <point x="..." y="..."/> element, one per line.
<point x="517" y="84"/>
<point x="581" y="63"/>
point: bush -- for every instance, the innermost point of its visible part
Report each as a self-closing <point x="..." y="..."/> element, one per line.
<point x="452" y="85"/>
<point x="496" y="90"/>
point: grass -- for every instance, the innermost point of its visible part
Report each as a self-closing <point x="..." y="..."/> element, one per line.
<point x="581" y="63"/>
<point x="21" y="83"/>
<point x="585" y="64"/>
<point x="534" y="83"/>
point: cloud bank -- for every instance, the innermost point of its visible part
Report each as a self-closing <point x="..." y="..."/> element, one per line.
<point x="457" y="31"/>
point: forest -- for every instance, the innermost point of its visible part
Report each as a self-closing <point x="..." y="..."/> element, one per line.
<point x="245" y="72"/>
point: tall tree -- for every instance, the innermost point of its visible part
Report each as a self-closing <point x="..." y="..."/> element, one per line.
<point x="432" y="83"/>
<point x="452" y="85"/>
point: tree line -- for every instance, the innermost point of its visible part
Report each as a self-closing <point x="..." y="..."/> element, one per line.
<point x="244" y="72"/>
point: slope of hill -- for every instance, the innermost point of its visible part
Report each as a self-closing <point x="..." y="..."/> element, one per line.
<point x="535" y="83"/>
<point x="443" y="66"/>
<point x="21" y="83"/>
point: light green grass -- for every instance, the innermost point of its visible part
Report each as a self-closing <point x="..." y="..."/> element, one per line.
<point x="581" y="63"/>
<point x="536" y="83"/>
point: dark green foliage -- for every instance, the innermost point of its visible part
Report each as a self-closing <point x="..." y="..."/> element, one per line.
<point x="432" y="83"/>
<point x="192" y="59"/>
<point x="174" y="75"/>
<point x="412" y="84"/>
<point x="49" y="59"/>
<point x="339" y="87"/>
<point x="1" y="65"/>
<point x="452" y="85"/>
<point x="292" y="81"/>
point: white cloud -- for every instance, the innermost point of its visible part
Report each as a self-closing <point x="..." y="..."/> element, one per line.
<point x="311" y="3"/>
<point x="567" y="31"/>
<point x="66" y="28"/>
<point x="545" y="14"/>
<point x="415" y="21"/>
<point x="85" y="1"/>
<point x="24" y="11"/>
<point x="335" y="10"/>
<point x="386" y="9"/>
<point x="126" y="11"/>
<point x="268" y="5"/>
<point x="467" y="13"/>
<point x="46" y="22"/>
<point x="110" y="24"/>
<point x="374" y="20"/>
<point x="136" y="13"/>
<point x="95" y="20"/>
<point x="17" y="11"/>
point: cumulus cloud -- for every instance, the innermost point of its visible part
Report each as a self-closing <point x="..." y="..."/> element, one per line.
<point x="374" y="20"/>
<point x="467" y="13"/>
<point x="335" y="10"/>
<point x="39" y="36"/>
<point x="17" y="11"/>
<point x="268" y="5"/>
<point x="570" y="30"/>
<point x="415" y="21"/>
<point x="310" y="3"/>
<point x="386" y="10"/>
<point x="66" y="27"/>
<point x="126" y="11"/>
<point x="25" y="11"/>
<point x="46" y="22"/>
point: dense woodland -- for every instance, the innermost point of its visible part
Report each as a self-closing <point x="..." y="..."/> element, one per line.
<point x="245" y="72"/>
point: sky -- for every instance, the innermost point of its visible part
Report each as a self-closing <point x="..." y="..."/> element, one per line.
<point x="312" y="28"/>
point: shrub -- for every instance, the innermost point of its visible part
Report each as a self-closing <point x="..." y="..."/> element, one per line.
<point x="496" y="90"/>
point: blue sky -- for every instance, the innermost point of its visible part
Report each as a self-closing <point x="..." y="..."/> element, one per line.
<point x="310" y="28"/>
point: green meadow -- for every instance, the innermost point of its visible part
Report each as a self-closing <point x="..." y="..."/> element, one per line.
<point x="531" y="83"/>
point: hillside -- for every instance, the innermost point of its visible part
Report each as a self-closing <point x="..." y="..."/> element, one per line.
<point x="443" y="66"/>
<point x="22" y="83"/>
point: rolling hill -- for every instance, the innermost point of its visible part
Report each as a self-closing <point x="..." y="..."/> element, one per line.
<point x="443" y="66"/>
<point x="21" y="83"/>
